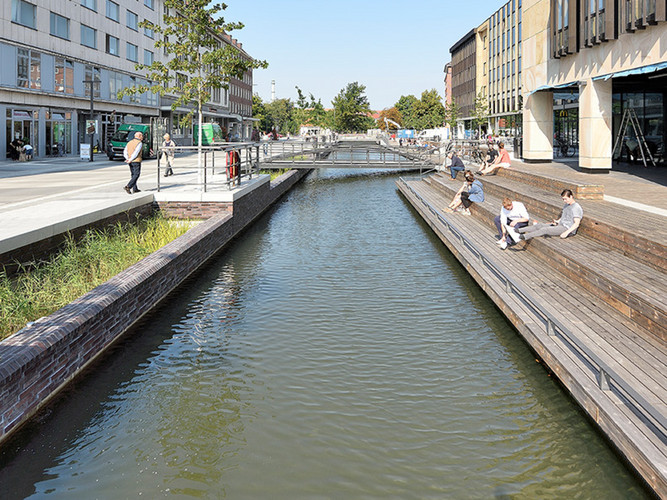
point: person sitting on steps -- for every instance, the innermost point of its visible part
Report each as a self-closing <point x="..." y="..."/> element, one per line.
<point x="456" y="164"/>
<point x="567" y="224"/>
<point x="471" y="192"/>
<point x="513" y="215"/>
<point x="501" y="161"/>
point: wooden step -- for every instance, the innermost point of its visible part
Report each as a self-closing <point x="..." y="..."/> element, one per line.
<point x="612" y="224"/>
<point x="633" y="288"/>
<point x="554" y="184"/>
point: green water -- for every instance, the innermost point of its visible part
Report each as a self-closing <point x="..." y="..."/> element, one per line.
<point x="335" y="350"/>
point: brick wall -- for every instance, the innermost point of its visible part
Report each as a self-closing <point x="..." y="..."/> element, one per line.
<point x="193" y="210"/>
<point x="40" y="359"/>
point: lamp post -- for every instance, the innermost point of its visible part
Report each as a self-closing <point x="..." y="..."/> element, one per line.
<point x="92" y="134"/>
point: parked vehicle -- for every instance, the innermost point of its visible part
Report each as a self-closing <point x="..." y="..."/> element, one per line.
<point x="125" y="134"/>
<point x="211" y="134"/>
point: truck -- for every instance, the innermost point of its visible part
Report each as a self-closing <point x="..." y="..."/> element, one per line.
<point x="211" y="134"/>
<point x="125" y="133"/>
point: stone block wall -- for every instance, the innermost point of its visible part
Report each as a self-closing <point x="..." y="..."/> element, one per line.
<point x="43" y="357"/>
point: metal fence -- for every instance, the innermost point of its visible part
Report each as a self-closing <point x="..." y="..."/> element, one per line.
<point x="222" y="165"/>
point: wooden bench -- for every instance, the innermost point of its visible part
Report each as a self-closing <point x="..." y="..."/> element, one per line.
<point x="632" y="287"/>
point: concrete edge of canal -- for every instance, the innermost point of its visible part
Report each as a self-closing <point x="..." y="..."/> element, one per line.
<point x="633" y="446"/>
<point x="42" y="358"/>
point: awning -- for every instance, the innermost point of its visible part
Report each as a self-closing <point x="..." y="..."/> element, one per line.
<point x="651" y="68"/>
<point x="552" y="87"/>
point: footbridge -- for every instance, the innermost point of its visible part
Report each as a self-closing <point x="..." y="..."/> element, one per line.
<point x="346" y="154"/>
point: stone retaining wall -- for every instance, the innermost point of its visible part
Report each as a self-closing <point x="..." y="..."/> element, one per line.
<point x="43" y="357"/>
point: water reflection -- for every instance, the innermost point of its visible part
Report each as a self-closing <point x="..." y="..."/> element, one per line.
<point x="336" y="350"/>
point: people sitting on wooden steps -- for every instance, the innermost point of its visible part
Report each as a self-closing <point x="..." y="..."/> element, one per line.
<point x="513" y="215"/>
<point x="471" y="192"/>
<point x="566" y="225"/>
<point x="455" y="165"/>
<point x="501" y="161"/>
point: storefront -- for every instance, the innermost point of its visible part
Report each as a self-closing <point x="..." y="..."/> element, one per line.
<point x="58" y="133"/>
<point x="22" y="124"/>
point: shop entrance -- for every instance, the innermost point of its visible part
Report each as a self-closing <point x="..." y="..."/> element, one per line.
<point x="21" y="126"/>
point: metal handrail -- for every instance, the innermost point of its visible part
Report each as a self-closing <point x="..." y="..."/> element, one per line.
<point x="605" y="373"/>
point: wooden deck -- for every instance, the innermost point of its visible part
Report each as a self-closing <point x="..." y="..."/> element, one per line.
<point x="593" y="310"/>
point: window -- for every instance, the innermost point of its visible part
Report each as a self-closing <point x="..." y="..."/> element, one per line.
<point x="149" y="4"/>
<point x="59" y="26"/>
<point x="132" y="21"/>
<point x="28" y="74"/>
<point x="115" y="84"/>
<point x="148" y="32"/>
<point x="148" y="57"/>
<point x="133" y="83"/>
<point x="88" y="36"/>
<point x="23" y="13"/>
<point x="64" y="72"/>
<point x="113" y="45"/>
<point x="92" y="74"/>
<point x="215" y="94"/>
<point x="113" y="11"/>
<point x="90" y="4"/>
<point x="151" y="97"/>
<point x="181" y="80"/>
<point x="166" y="50"/>
<point x="132" y="52"/>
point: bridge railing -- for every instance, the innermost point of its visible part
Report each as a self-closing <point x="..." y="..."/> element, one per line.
<point x="222" y="165"/>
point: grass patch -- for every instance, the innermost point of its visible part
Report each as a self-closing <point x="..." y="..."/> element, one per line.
<point x="80" y="266"/>
<point x="275" y="173"/>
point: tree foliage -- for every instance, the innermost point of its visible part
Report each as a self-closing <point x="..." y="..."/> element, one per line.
<point x="427" y="112"/>
<point x="480" y="111"/>
<point x="352" y="109"/>
<point x="407" y="106"/>
<point x="452" y="113"/>
<point x="309" y="111"/>
<point x="391" y="114"/>
<point x="191" y="34"/>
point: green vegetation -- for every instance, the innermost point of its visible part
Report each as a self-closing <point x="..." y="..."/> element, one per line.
<point x="78" y="268"/>
<point x="275" y="173"/>
<point x="427" y="112"/>
<point x="352" y="110"/>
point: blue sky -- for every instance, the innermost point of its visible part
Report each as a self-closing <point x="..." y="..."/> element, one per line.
<point x="392" y="47"/>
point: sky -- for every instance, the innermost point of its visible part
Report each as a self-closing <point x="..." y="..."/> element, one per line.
<point x="392" y="47"/>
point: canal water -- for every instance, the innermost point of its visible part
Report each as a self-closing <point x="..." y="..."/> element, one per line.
<point x="335" y="350"/>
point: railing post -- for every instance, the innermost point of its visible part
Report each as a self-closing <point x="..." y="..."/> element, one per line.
<point x="213" y="161"/>
<point x="204" y="176"/>
<point x="158" y="170"/>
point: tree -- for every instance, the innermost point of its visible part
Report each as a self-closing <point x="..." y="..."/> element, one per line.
<point x="452" y="113"/>
<point x="430" y="113"/>
<point x="391" y="114"/>
<point x="192" y="33"/>
<point x="480" y="113"/>
<point x="352" y="109"/>
<point x="407" y="106"/>
<point x="308" y="111"/>
<point x="259" y="112"/>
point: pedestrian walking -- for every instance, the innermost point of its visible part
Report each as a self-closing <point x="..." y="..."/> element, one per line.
<point x="168" y="150"/>
<point x="132" y="154"/>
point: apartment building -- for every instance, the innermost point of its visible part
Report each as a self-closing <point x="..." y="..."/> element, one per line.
<point x="49" y="49"/>
<point x="464" y="77"/>
<point x="610" y="55"/>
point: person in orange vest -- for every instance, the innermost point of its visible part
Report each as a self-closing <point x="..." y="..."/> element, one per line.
<point x="132" y="154"/>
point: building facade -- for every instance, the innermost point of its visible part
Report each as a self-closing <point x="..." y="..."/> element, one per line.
<point x="464" y="76"/>
<point x="611" y="57"/>
<point x="50" y="49"/>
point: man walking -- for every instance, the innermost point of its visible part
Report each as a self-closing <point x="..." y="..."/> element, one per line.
<point x="168" y="148"/>
<point x="132" y="154"/>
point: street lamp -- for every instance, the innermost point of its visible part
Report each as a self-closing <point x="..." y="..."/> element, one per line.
<point x="92" y="126"/>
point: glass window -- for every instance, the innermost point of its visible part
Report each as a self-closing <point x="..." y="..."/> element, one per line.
<point x="90" y="4"/>
<point x="28" y="74"/>
<point x="92" y="74"/>
<point x="133" y="83"/>
<point x="59" y="26"/>
<point x="148" y="57"/>
<point x="113" y="11"/>
<point x="113" y="45"/>
<point x="132" y="53"/>
<point x="23" y="13"/>
<point x="148" y="32"/>
<point x="64" y="76"/>
<point x="132" y="20"/>
<point x="88" y="36"/>
<point x="115" y="84"/>
<point x="149" y="4"/>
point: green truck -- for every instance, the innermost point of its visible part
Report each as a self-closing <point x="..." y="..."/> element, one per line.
<point x="211" y="134"/>
<point x="125" y="134"/>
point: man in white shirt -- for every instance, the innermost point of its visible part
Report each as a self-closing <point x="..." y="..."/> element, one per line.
<point x="513" y="215"/>
<point x="132" y="154"/>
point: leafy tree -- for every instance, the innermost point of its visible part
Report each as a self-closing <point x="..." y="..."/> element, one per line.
<point x="452" y="113"/>
<point x="480" y="112"/>
<point x="259" y="112"/>
<point x="279" y="115"/>
<point x="430" y="113"/>
<point x="309" y="111"/>
<point x="191" y="34"/>
<point x="391" y="114"/>
<point x="352" y="109"/>
<point x="407" y="107"/>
